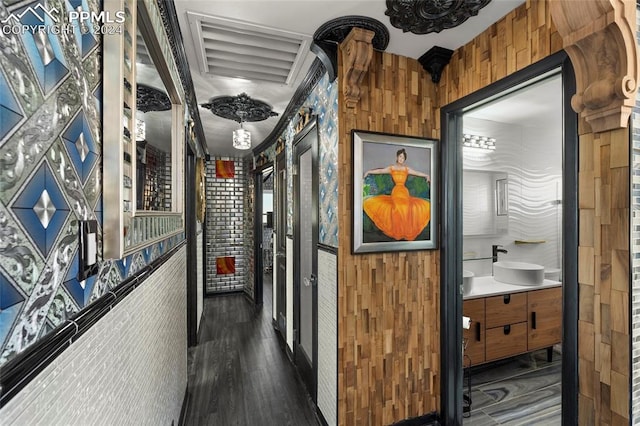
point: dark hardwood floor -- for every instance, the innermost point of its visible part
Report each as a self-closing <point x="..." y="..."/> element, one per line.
<point x="239" y="373"/>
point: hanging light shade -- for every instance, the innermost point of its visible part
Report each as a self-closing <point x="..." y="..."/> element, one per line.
<point x="240" y="108"/>
<point x="241" y="138"/>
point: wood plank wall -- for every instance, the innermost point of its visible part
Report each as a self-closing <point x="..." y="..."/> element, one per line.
<point x="388" y="315"/>
<point x="523" y="37"/>
<point x="603" y="276"/>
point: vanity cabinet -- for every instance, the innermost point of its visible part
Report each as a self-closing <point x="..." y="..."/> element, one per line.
<point x="474" y="336"/>
<point x="545" y="318"/>
<point x="512" y="324"/>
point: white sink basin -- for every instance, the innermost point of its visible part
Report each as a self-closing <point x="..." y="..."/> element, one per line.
<point x="519" y="273"/>
<point x="467" y="281"/>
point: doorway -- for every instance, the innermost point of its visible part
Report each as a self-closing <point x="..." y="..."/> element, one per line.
<point x="305" y="242"/>
<point x="458" y="121"/>
<point x="192" y="248"/>
<point x="263" y="233"/>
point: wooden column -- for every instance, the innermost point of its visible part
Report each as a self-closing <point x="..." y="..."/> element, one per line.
<point x="599" y="37"/>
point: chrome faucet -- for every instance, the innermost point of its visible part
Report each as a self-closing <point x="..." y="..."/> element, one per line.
<point x="495" y="249"/>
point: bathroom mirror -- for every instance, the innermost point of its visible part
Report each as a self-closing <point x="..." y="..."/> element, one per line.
<point x="144" y="133"/>
<point x="485" y="202"/>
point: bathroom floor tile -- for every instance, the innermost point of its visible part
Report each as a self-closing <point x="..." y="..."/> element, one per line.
<point x="510" y="367"/>
<point x="479" y="399"/>
<point x="540" y="407"/>
<point x="522" y="390"/>
<point x="522" y="384"/>
<point x="478" y="418"/>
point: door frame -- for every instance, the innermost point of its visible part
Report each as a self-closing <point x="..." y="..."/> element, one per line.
<point x="192" y="247"/>
<point x="258" y="282"/>
<point x="309" y="375"/>
<point x="279" y="254"/>
<point x="452" y="240"/>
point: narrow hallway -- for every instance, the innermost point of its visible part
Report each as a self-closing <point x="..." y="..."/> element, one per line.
<point x="239" y="373"/>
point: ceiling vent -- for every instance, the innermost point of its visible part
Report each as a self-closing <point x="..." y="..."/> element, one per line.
<point x="239" y="49"/>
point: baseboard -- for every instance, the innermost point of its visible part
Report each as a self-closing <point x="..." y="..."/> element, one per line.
<point x="223" y="293"/>
<point x="199" y="336"/>
<point x="289" y="353"/>
<point x="320" y="417"/>
<point x="185" y="407"/>
<point x="424" y="420"/>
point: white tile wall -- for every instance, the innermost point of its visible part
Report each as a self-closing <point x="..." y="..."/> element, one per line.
<point x="532" y="158"/>
<point x="274" y="290"/>
<point x="130" y="368"/>
<point x="200" y="280"/>
<point x="328" y="336"/>
<point x="289" y="248"/>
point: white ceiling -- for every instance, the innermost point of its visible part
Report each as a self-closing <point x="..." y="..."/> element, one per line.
<point x="530" y="115"/>
<point x="301" y="17"/>
<point x="538" y="104"/>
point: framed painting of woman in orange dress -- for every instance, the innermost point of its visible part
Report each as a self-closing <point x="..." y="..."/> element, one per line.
<point x="394" y="192"/>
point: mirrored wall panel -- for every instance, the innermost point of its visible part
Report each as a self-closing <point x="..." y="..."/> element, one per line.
<point x="144" y="133"/>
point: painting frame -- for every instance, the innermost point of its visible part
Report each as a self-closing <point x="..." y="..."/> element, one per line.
<point x="374" y="154"/>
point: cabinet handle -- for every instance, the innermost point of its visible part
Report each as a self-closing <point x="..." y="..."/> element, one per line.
<point x="506" y="299"/>
<point x="478" y="336"/>
<point x="533" y="320"/>
<point x="506" y="330"/>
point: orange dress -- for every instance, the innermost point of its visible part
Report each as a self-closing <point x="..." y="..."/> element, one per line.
<point x="399" y="215"/>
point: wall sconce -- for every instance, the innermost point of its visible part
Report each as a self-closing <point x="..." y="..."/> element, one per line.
<point x="481" y="142"/>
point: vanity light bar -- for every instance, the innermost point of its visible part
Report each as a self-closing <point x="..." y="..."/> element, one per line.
<point x="482" y="142"/>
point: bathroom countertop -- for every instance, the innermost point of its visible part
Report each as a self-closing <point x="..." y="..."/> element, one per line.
<point x="487" y="286"/>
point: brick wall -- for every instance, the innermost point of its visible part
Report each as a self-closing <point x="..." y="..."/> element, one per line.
<point x="226" y="200"/>
<point x="129" y="368"/>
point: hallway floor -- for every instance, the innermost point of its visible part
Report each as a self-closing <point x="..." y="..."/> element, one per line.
<point x="523" y="390"/>
<point x="238" y="373"/>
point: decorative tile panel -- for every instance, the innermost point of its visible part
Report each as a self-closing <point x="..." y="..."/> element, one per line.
<point x="80" y="146"/>
<point x="324" y="103"/>
<point x="41" y="209"/>
<point x="10" y="111"/>
<point x="80" y="291"/>
<point x="50" y="157"/>
<point x="84" y="35"/>
<point x="225" y="265"/>
<point x="11" y="302"/>
<point x="43" y="47"/>
<point x="288" y="149"/>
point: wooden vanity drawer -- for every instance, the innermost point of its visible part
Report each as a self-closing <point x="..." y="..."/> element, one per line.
<point x="506" y="309"/>
<point x="505" y="341"/>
